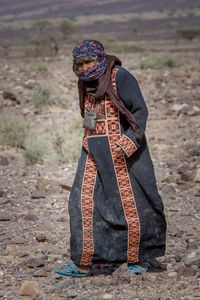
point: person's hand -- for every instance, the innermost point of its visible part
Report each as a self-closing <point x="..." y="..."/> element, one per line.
<point x="119" y="150"/>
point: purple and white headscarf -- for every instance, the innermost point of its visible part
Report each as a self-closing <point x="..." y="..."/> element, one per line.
<point x="88" y="49"/>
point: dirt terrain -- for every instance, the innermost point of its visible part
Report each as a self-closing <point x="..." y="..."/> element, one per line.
<point x="34" y="222"/>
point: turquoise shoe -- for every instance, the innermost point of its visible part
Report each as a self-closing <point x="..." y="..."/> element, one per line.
<point x="136" y="269"/>
<point x="70" y="270"/>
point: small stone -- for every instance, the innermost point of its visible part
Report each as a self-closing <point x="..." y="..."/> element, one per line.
<point x="61" y="219"/>
<point x="23" y="254"/>
<point x="182" y="287"/>
<point x="4" y="216"/>
<point x="197" y="176"/>
<point x="71" y="294"/>
<point x="179" y="108"/>
<point x="39" y="263"/>
<point x="39" y="273"/>
<point x="107" y="296"/>
<point x="63" y="284"/>
<point x="197" y="193"/>
<point x="121" y="274"/>
<point x="29" y="288"/>
<point x="172" y="274"/>
<point x="2" y="194"/>
<point x="38" y="194"/>
<point x="26" y="111"/>
<point x="157" y="265"/>
<point x="4" y="161"/>
<point x="18" y="241"/>
<point x="41" y="238"/>
<point x="185" y="271"/>
<point x="193" y="259"/>
<point x="177" y="258"/>
<point x="30" y="217"/>
<point x="149" y="277"/>
<point x="9" y="94"/>
<point x="186" y="175"/>
<point x="29" y="84"/>
<point x="34" y="263"/>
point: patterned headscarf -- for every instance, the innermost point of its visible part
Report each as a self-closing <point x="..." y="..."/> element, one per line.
<point x="88" y="49"/>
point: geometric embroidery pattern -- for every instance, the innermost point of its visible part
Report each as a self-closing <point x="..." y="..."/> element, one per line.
<point x="87" y="206"/>
<point x="128" y="201"/>
<point x="113" y="127"/>
<point x="127" y="145"/>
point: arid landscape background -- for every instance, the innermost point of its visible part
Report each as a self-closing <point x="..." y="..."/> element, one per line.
<point x="40" y="140"/>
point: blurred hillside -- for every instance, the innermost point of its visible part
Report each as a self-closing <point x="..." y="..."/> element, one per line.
<point x="124" y="20"/>
<point x="27" y="9"/>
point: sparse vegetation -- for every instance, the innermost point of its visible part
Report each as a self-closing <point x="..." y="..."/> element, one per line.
<point x="35" y="150"/>
<point x="67" y="28"/>
<point x="6" y="49"/>
<point x="50" y="94"/>
<point x="189" y="33"/>
<point x="13" y="131"/>
<point x="42" y="96"/>
<point x="37" y="67"/>
<point x="119" y="47"/>
<point x="74" y="137"/>
<point x="153" y="61"/>
<point x="58" y="144"/>
<point x="67" y="143"/>
<point x="45" y="45"/>
<point x="42" y="24"/>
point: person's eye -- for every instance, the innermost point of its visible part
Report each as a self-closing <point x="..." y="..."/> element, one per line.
<point x="79" y="65"/>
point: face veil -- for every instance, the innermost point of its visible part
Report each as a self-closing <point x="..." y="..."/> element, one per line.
<point x="89" y="49"/>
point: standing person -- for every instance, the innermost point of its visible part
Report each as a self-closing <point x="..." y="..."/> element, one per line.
<point x="116" y="213"/>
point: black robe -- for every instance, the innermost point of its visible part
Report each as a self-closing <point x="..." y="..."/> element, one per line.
<point x="116" y="213"/>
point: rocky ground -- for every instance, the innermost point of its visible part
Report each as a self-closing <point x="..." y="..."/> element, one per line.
<point x="34" y="222"/>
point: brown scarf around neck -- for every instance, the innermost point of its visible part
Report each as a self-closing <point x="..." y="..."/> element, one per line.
<point x="104" y="85"/>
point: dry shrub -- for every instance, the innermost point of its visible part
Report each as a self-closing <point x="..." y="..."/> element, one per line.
<point x="50" y="94"/>
<point x="36" y="148"/>
<point x="189" y="33"/>
<point x="13" y="131"/>
<point x="67" y="143"/>
<point x="37" y="67"/>
<point x="153" y="61"/>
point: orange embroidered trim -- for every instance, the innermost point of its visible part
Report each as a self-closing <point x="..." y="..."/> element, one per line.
<point x="87" y="206"/>
<point x="85" y="144"/>
<point x="128" y="201"/>
<point x="113" y="79"/>
<point x="127" y="145"/>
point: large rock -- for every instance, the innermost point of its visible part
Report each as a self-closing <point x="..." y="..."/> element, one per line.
<point x="29" y="288"/>
<point x="193" y="259"/>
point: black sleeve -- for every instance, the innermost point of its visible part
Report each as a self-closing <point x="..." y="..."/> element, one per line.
<point x="129" y="92"/>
